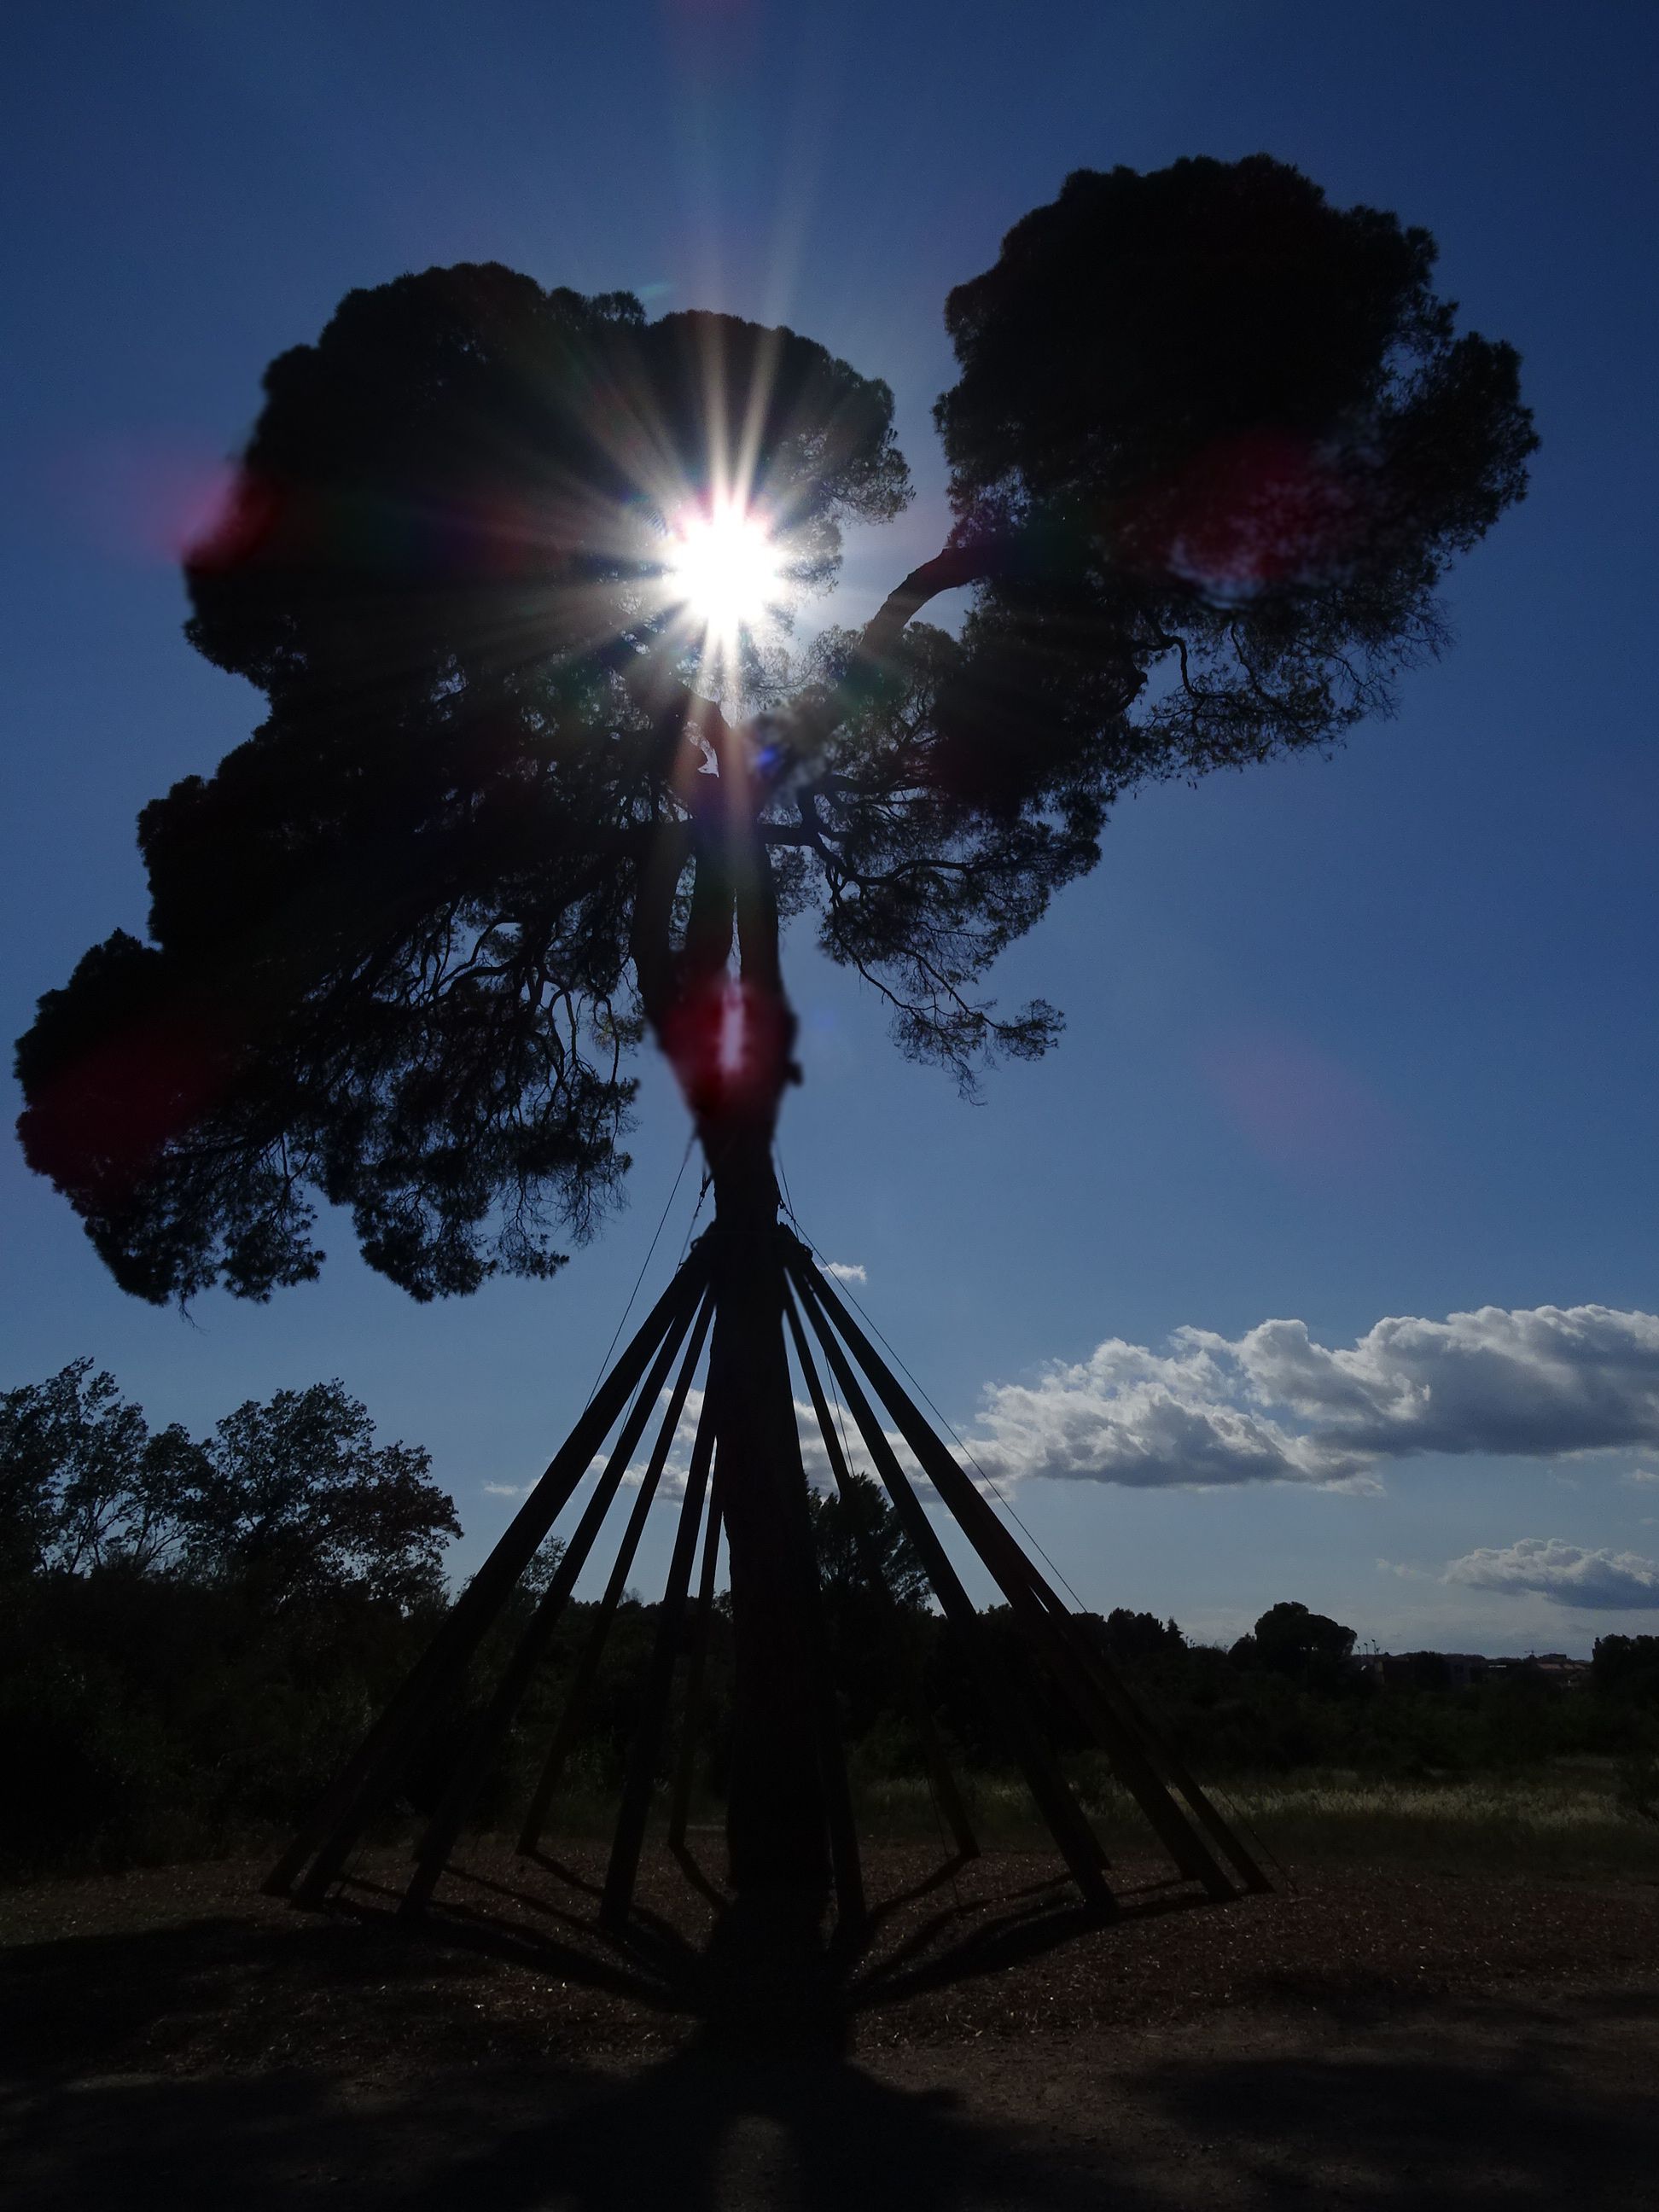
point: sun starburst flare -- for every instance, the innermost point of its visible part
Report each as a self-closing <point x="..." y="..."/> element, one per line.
<point x="726" y="569"/>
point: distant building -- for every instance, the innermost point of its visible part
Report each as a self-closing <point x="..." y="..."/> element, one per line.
<point x="1556" y="1668"/>
<point x="1426" y="1670"/>
<point x="1467" y="1670"/>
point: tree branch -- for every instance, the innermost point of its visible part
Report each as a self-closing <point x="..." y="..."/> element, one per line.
<point x="946" y="572"/>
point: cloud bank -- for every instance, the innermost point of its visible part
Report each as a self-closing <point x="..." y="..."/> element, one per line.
<point x="1535" y="1565"/>
<point x="1272" y="1405"/>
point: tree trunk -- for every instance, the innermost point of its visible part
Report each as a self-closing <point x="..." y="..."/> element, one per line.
<point x="730" y="1040"/>
<point x="776" y="1816"/>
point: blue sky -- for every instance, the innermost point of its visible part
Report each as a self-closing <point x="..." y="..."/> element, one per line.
<point x="1351" y="1041"/>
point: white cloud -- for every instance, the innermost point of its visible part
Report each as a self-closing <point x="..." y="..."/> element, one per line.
<point x="1540" y="1380"/>
<point x="846" y="1271"/>
<point x="1129" y="1415"/>
<point x="505" y="1489"/>
<point x="1274" y="1406"/>
<point x="1548" y="1567"/>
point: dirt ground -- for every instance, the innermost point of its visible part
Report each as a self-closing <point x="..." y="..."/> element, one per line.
<point x="1373" y="2038"/>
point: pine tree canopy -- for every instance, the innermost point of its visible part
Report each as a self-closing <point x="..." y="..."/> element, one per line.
<point x="1213" y="447"/>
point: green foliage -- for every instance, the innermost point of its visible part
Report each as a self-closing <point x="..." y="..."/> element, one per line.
<point x="1626" y="1667"/>
<point x="83" y="1482"/>
<point x="147" y="1715"/>
<point x="194" y="1635"/>
<point x="1307" y="1646"/>
<point x="392" y="935"/>
<point x="861" y="1546"/>
<point x="1213" y="447"/>
<point x="1214" y="423"/>
<point x="287" y="1500"/>
<point x="295" y="1498"/>
<point x="875" y="1593"/>
<point x="1139" y="1639"/>
<point x="1638" y="1787"/>
<point x="173" y="1709"/>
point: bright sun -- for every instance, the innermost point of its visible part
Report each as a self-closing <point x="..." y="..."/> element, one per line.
<point x="726" y="569"/>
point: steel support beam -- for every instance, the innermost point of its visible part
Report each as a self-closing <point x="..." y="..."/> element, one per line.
<point x="685" y="1772"/>
<point x="1075" y="1839"/>
<point x="629" y="1836"/>
<point x="945" y="1793"/>
<point x="433" y="1852"/>
<point x="1034" y="1603"/>
<point x="374" y="1770"/>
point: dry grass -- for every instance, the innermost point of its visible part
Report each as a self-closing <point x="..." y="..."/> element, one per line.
<point x="1573" y="1821"/>
<point x="1556" y="1824"/>
<point x="1565" y="1821"/>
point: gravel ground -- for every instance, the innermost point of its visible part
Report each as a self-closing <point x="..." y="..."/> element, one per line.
<point x="1377" y="2036"/>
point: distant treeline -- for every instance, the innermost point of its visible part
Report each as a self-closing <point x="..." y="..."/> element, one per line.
<point x="195" y="1633"/>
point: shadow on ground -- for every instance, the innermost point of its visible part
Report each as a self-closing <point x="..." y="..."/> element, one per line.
<point x="1495" y="2122"/>
<point x="507" y="2060"/>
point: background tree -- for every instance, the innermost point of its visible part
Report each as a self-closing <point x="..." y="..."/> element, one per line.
<point x="83" y="1483"/>
<point x="1290" y="1640"/>
<point x="1627" y="1666"/>
<point x="1212" y="445"/>
<point x="1139" y="1639"/>
<point x="855" y="1531"/>
<point x="286" y="1501"/>
<point x="194" y="1633"/>
<point x="875" y="1642"/>
<point x="294" y="1498"/>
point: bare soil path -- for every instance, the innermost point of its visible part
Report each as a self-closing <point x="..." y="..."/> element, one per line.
<point x="1379" y="2037"/>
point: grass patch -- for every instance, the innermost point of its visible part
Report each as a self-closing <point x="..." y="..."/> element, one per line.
<point x="1565" y="1821"/>
<point x="1584" y="1818"/>
<point x="1575" y="1819"/>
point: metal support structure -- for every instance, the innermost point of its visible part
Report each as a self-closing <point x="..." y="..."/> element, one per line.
<point x="1019" y="1580"/>
<point x="803" y="1307"/>
<point x="642" y="1763"/>
<point x="685" y="1772"/>
<point x="433" y="1851"/>
<point x="587" y="1667"/>
<point x="1077" y="1843"/>
<point x="946" y="1795"/>
<point x="369" y="1778"/>
<point x="1172" y="1768"/>
<point x="832" y="1761"/>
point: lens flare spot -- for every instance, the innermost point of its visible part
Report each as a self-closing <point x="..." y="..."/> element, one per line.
<point x="1256" y="513"/>
<point x="728" y="1044"/>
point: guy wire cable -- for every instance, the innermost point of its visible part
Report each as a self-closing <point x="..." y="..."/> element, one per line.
<point x="685" y="1242"/>
<point x="606" y="1362"/>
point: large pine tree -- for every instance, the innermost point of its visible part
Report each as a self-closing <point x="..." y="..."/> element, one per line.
<point x="514" y="802"/>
